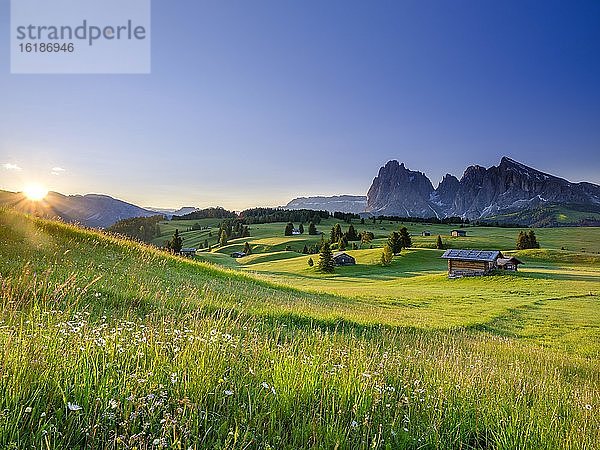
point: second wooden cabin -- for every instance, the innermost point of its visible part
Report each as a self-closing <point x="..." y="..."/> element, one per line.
<point x="469" y="263"/>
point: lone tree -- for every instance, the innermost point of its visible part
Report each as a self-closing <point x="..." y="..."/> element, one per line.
<point x="342" y="243"/>
<point x="223" y="239"/>
<point x="176" y="243"/>
<point x="405" y="238"/>
<point x="386" y="255"/>
<point x="439" y="244"/>
<point x="247" y="249"/>
<point x="336" y="233"/>
<point x="312" y="230"/>
<point x="310" y="262"/>
<point x="394" y="242"/>
<point x="289" y="229"/>
<point x="301" y="229"/>
<point x="305" y="249"/>
<point x="326" y="264"/>
<point x="352" y="235"/>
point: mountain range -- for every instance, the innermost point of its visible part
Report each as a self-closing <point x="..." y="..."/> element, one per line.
<point x="509" y="192"/>
<point x="91" y="210"/>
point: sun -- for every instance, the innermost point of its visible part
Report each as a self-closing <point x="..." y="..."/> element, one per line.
<point x="35" y="192"/>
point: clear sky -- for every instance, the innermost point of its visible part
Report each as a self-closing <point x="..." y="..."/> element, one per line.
<point x="254" y="102"/>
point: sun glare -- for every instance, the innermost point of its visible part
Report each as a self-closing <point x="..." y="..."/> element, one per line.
<point x="35" y="192"/>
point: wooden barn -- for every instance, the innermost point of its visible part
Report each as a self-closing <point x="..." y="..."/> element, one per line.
<point x="426" y="233"/>
<point x="189" y="252"/>
<point x="458" y="233"/>
<point x="468" y="263"/>
<point x="343" y="259"/>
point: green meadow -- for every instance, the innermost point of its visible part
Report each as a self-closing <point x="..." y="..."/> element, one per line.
<point x="109" y="343"/>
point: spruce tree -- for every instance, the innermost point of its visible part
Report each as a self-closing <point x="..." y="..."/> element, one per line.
<point x="310" y="262"/>
<point x="176" y="243"/>
<point x="289" y="229"/>
<point x="386" y="255"/>
<point x="326" y="264"/>
<point x="247" y="249"/>
<point x="223" y="238"/>
<point x="439" y="244"/>
<point x="394" y="242"/>
<point x="312" y="230"/>
<point x="305" y="249"/>
<point x="342" y="243"/>
<point x="405" y="238"/>
<point x="533" y="242"/>
<point x="301" y="229"/>
<point x="352" y="235"/>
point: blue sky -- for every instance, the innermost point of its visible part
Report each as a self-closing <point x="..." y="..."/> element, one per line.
<point x="255" y="102"/>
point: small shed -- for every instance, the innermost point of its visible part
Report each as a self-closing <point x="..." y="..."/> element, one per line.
<point x="188" y="252"/>
<point x="238" y="254"/>
<point x="458" y="233"/>
<point x="468" y="263"/>
<point x="511" y="264"/>
<point x="426" y="233"/>
<point x="343" y="259"/>
<point x="296" y="232"/>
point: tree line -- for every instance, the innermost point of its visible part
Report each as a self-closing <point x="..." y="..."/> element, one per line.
<point x="141" y="228"/>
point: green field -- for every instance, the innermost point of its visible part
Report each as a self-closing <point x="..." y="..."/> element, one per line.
<point x="106" y="343"/>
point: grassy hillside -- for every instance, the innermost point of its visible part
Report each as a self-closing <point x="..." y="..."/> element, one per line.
<point x="106" y="343"/>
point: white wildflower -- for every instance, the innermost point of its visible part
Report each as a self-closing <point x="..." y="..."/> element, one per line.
<point x="228" y="392"/>
<point x="265" y="385"/>
<point x="73" y="407"/>
<point x="28" y="409"/>
<point x="354" y="424"/>
<point x="113" y="403"/>
<point x="173" y="378"/>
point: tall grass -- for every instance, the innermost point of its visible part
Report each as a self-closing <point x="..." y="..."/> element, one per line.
<point x="162" y="366"/>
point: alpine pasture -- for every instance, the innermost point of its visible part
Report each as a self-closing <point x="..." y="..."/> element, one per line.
<point x="109" y="343"/>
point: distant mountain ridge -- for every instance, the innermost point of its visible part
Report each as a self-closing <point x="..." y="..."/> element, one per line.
<point x="341" y="203"/>
<point x="92" y="210"/>
<point x="481" y="193"/>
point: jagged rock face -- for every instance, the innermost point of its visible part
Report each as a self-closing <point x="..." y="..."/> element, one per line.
<point x="508" y="187"/>
<point x="399" y="191"/>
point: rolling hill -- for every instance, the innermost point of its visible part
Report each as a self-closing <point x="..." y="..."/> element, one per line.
<point x="110" y="343"/>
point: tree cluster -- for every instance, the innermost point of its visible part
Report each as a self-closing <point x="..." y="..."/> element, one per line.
<point x="527" y="240"/>
<point x="208" y="213"/>
<point x="346" y="217"/>
<point x="142" y="228"/>
<point x="272" y="215"/>
<point x="232" y="229"/>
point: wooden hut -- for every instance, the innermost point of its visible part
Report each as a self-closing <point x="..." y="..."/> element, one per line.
<point x="465" y="263"/>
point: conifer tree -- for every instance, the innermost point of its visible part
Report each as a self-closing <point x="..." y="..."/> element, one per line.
<point x="223" y="238"/>
<point x="439" y="244"/>
<point x="301" y="229"/>
<point x="533" y="242"/>
<point x="312" y="230"/>
<point x="326" y="264"/>
<point x="386" y="255"/>
<point x="305" y="249"/>
<point x="394" y="242"/>
<point x="310" y="262"/>
<point x="176" y="243"/>
<point x="247" y="249"/>
<point x="352" y="235"/>
<point x="405" y="238"/>
<point x="289" y="229"/>
<point x="342" y="243"/>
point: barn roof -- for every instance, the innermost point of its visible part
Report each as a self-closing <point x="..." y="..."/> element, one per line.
<point x="503" y="261"/>
<point x="472" y="255"/>
<point x="336" y="254"/>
